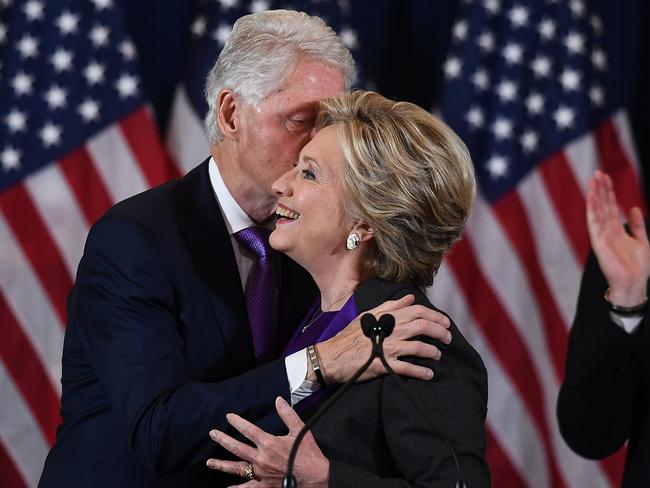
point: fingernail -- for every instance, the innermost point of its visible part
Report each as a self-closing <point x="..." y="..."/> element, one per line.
<point x="439" y="355"/>
<point x="229" y="417"/>
<point x="212" y="463"/>
<point x="447" y="322"/>
<point x="214" y="433"/>
<point x="448" y="337"/>
<point x="429" y="374"/>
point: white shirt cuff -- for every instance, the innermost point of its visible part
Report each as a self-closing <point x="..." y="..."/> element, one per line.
<point x="299" y="385"/>
<point x="628" y="324"/>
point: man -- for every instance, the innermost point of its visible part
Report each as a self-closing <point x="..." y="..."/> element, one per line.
<point x="604" y="401"/>
<point x="179" y="306"/>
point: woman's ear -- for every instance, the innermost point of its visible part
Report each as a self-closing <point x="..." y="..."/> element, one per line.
<point x="364" y="231"/>
<point x="227" y="114"/>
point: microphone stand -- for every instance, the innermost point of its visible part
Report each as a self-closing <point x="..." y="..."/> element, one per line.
<point x="376" y="331"/>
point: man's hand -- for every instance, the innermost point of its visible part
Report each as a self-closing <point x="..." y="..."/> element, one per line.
<point x="342" y="355"/>
<point x="270" y="455"/>
<point x="623" y="258"/>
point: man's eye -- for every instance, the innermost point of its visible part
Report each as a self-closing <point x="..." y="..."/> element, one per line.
<point x="308" y="175"/>
<point x="299" y="124"/>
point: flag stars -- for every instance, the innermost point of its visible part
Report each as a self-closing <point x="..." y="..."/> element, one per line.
<point x="507" y="91"/>
<point x="486" y="42"/>
<point x="535" y="103"/>
<point x="222" y="33"/>
<point x="16" y="121"/>
<point x="529" y="140"/>
<point x="102" y="4"/>
<point x="570" y="80"/>
<point x="67" y="23"/>
<point x="50" y="134"/>
<point x="3" y="33"/>
<point x="22" y="84"/>
<point x="497" y="166"/>
<point x="541" y="66"/>
<point x="199" y="26"/>
<point x="492" y="6"/>
<point x="577" y="7"/>
<point x="259" y="6"/>
<point x="99" y="35"/>
<point x="574" y="42"/>
<point x="452" y="68"/>
<point x="502" y="128"/>
<point x="94" y="73"/>
<point x="89" y="110"/>
<point x="512" y="53"/>
<point x="481" y="80"/>
<point x="128" y="50"/>
<point x="348" y="38"/>
<point x="127" y="85"/>
<point x="518" y="16"/>
<point x="62" y="60"/>
<point x="225" y="4"/>
<point x="460" y="30"/>
<point x="475" y="117"/>
<point x="28" y="46"/>
<point x="598" y="59"/>
<point x="546" y="29"/>
<point x="564" y="117"/>
<point x="56" y="97"/>
<point x="33" y="10"/>
<point x="597" y="96"/>
<point x="10" y="158"/>
<point x="596" y="24"/>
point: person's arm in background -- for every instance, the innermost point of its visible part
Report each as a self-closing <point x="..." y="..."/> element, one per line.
<point x="597" y="397"/>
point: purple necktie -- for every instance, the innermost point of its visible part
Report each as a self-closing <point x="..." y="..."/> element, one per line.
<point x="261" y="292"/>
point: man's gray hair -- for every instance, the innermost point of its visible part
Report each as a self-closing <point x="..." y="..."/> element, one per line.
<point x="261" y="52"/>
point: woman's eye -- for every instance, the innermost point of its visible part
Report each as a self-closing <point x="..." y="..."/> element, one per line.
<point x="308" y="175"/>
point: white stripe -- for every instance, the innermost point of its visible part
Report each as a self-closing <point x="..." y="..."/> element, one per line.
<point x="30" y="305"/>
<point x="499" y="262"/>
<point x="622" y="126"/>
<point x="19" y="431"/>
<point x="186" y="139"/>
<point x="555" y="254"/>
<point x="55" y="202"/>
<point x="583" y="159"/>
<point x="508" y="417"/>
<point x="116" y="164"/>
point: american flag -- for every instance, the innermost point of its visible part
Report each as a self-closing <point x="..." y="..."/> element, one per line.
<point x="75" y="137"/>
<point x="527" y="88"/>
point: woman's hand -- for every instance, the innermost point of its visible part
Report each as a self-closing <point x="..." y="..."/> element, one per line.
<point x="270" y="455"/>
<point x="623" y="258"/>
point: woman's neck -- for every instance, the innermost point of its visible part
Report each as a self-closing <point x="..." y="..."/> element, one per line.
<point x="338" y="282"/>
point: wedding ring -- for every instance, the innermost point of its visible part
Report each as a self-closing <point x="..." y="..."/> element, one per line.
<point x="248" y="471"/>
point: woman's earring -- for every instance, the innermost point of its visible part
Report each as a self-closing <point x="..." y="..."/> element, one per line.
<point x="352" y="242"/>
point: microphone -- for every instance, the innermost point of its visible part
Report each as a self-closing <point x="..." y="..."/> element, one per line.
<point x="376" y="331"/>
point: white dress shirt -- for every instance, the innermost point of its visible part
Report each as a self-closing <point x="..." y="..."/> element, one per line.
<point x="628" y="324"/>
<point x="237" y="219"/>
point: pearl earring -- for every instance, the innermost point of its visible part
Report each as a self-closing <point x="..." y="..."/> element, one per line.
<point x="352" y="242"/>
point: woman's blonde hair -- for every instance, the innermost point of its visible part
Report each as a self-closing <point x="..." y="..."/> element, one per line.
<point x="407" y="175"/>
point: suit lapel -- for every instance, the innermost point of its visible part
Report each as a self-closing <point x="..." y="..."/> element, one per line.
<point x="207" y="237"/>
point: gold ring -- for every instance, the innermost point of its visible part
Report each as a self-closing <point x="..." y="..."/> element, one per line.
<point x="248" y="471"/>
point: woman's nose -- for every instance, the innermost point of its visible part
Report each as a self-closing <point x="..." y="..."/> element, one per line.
<point x="282" y="186"/>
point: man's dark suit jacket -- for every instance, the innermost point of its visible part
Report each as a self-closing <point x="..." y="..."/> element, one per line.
<point x="374" y="437"/>
<point x="605" y="398"/>
<point x="158" y="346"/>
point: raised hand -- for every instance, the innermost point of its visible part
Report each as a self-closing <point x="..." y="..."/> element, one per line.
<point x="623" y="258"/>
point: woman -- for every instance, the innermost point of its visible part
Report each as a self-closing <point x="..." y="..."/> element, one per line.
<point x="376" y="199"/>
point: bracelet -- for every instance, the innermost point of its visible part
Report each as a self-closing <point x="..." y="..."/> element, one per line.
<point x="315" y="364"/>
<point x="626" y="311"/>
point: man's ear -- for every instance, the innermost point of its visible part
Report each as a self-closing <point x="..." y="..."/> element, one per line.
<point x="228" y="114"/>
<point x="364" y="231"/>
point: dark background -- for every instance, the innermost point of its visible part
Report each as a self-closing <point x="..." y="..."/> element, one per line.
<point x="403" y="46"/>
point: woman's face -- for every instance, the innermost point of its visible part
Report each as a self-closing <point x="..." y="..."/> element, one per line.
<point x="312" y="226"/>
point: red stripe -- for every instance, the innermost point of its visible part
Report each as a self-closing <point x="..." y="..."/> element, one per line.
<point x="568" y="202"/>
<point x="9" y="475"/>
<point x="510" y="212"/>
<point x="86" y="184"/>
<point x="142" y="136"/>
<point x="615" y="162"/>
<point x="504" y="340"/>
<point x="28" y="373"/>
<point x="504" y="474"/>
<point x="613" y="466"/>
<point x="35" y="241"/>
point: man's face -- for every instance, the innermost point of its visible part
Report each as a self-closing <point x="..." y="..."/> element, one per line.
<point x="272" y="135"/>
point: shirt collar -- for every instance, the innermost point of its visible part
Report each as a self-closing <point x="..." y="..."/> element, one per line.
<point x="235" y="217"/>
